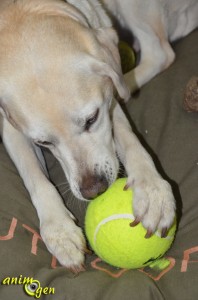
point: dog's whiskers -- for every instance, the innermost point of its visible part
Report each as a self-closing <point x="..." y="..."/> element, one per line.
<point x="121" y="172"/>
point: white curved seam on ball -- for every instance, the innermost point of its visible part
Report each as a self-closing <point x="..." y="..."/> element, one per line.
<point x="112" y="218"/>
<point x="122" y="216"/>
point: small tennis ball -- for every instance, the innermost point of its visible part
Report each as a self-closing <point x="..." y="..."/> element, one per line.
<point x="127" y="56"/>
<point x="107" y="227"/>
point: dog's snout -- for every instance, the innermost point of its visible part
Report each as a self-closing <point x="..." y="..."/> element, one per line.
<point x="93" y="186"/>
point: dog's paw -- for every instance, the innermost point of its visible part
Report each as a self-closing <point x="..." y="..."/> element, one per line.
<point x="153" y="204"/>
<point x="65" y="240"/>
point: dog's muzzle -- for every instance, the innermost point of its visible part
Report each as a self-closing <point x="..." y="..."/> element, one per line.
<point x="93" y="185"/>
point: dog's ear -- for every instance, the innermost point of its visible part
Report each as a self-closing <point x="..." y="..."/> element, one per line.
<point x="104" y="69"/>
<point x="111" y="66"/>
<point x="108" y="39"/>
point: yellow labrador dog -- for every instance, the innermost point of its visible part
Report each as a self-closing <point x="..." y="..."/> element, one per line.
<point x="59" y="65"/>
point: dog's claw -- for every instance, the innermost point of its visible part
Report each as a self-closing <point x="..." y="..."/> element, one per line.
<point x="135" y="222"/>
<point x="77" y="269"/>
<point x="164" y="232"/>
<point x="126" y="187"/>
<point x="88" y="251"/>
<point x="148" y="234"/>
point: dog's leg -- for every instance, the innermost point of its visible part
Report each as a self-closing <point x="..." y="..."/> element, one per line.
<point x="156" y="56"/>
<point x="154" y="204"/>
<point x="58" y="230"/>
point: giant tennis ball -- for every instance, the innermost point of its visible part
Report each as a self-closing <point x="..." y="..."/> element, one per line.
<point x="107" y="227"/>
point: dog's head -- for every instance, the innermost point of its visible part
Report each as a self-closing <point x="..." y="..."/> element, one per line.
<point x="57" y="77"/>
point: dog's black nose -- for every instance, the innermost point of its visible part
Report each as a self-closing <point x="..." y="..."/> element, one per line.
<point x="92" y="186"/>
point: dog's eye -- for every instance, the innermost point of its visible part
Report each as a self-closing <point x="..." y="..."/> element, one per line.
<point x="43" y="143"/>
<point x="91" y="120"/>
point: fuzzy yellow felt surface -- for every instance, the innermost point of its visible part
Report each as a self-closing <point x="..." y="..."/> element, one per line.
<point x="107" y="227"/>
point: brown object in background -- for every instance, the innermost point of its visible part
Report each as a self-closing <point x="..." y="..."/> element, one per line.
<point x="191" y="95"/>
